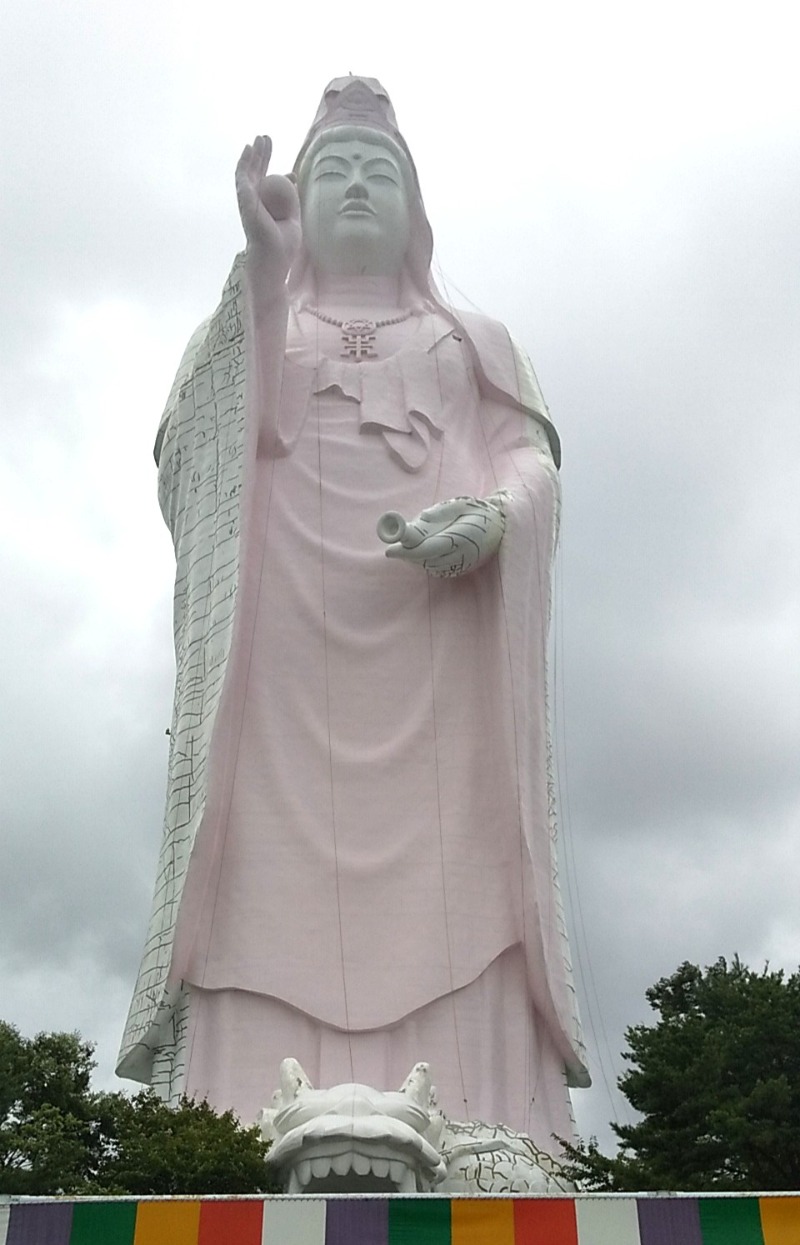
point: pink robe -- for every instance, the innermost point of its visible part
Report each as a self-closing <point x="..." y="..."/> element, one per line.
<point x="372" y="880"/>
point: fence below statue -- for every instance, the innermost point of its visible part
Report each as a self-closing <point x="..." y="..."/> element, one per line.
<point x="590" y="1219"/>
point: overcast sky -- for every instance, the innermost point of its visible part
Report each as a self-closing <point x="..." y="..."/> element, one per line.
<point x="619" y="184"/>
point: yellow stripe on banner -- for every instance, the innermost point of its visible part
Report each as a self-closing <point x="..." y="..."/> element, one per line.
<point x="293" y="1223"/>
<point x="481" y="1222"/>
<point x="167" y="1223"/>
<point x="5" y="1215"/>
<point x="607" y="1221"/>
<point x="780" y="1220"/>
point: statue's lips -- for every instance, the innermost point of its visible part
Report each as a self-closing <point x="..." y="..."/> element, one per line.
<point x="356" y="209"/>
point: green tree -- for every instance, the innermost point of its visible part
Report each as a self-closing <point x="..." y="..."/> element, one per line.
<point x="717" y="1083"/>
<point x="47" y="1133"/>
<point x="149" y="1147"/>
<point x="58" y="1136"/>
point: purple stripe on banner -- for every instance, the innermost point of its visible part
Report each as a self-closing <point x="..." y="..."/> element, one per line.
<point x="669" y="1221"/>
<point x="357" y="1223"/>
<point x="40" y="1223"/>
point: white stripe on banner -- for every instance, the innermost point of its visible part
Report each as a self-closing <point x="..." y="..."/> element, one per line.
<point x="293" y="1223"/>
<point x="5" y="1215"/>
<point x="607" y="1221"/>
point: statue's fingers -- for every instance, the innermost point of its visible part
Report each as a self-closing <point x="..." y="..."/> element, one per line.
<point x="415" y="554"/>
<point x="255" y="157"/>
<point x="444" y="511"/>
<point x="263" y="147"/>
<point x="244" y="162"/>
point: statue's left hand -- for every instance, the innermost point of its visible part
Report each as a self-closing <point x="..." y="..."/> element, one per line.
<point x="450" y="538"/>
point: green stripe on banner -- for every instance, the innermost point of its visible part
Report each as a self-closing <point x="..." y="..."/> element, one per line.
<point x="420" y="1223"/>
<point x="730" y="1221"/>
<point x="103" y="1223"/>
<point x="5" y="1212"/>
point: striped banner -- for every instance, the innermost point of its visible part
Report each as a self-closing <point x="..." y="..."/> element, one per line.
<point x="587" y="1220"/>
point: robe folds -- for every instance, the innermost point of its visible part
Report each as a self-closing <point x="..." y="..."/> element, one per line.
<point x="360" y="818"/>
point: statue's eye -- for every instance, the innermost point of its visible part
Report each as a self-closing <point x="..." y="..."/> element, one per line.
<point x="329" y="175"/>
<point x="385" y="178"/>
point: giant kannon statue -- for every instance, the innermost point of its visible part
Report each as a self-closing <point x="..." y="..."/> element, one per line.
<point x="358" y="866"/>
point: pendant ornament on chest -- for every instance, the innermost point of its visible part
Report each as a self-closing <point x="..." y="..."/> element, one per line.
<point x="358" y="337"/>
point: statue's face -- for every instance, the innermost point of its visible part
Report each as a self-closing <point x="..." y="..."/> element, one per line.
<point x="356" y="219"/>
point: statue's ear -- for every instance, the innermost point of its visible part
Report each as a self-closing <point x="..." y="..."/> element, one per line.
<point x="293" y="1080"/>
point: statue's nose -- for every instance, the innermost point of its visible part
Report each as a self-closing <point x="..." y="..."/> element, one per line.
<point x="356" y="190"/>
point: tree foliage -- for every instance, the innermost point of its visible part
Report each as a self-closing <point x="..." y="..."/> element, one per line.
<point x="47" y="1135"/>
<point x="717" y="1083"/>
<point x="152" y="1148"/>
<point x="58" y="1136"/>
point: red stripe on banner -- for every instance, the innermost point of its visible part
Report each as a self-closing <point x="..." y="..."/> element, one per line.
<point x="230" y="1223"/>
<point x="545" y="1221"/>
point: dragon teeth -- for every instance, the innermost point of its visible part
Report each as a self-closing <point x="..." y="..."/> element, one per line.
<point x="341" y="1164"/>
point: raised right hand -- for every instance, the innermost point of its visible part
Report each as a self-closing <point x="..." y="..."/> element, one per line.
<point x="270" y="212"/>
